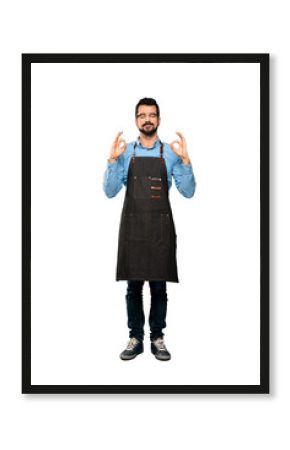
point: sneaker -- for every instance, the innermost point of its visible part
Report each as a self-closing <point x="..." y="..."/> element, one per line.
<point x="159" y="350"/>
<point x="134" y="348"/>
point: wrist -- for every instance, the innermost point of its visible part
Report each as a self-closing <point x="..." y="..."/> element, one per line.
<point x="185" y="160"/>
<point x="112" y="160"/>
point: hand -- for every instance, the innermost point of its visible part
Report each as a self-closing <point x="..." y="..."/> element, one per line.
<point x="118" y="147"/>
<point x="181" y="149"/>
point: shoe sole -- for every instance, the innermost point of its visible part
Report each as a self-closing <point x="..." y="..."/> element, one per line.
<point x="128" y="358"/>
<point x="162" y="359"/>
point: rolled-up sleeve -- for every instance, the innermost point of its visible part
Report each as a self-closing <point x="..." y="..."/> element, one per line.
<point x="114" y="177"/>
<point x="184" y="178"/>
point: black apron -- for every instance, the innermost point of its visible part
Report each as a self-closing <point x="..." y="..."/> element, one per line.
<point x="147" y="238"/>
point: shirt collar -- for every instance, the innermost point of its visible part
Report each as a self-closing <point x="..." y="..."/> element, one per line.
<point x="147" y="148"/>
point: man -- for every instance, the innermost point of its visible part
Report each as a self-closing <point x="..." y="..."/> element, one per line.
<point x="147" y="238"/>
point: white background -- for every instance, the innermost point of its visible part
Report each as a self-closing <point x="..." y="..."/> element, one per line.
<point x="89" y="421"/>
<point x="79" y="323"/>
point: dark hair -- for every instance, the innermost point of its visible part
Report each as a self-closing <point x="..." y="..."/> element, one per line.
<point x="147" y="101"/>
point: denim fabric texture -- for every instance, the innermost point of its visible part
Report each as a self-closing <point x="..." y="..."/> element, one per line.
<point x="135" y="310"/>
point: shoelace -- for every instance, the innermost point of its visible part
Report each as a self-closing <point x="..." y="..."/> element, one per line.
<point x="132" y="343"/>
<point x="160" y="344"/>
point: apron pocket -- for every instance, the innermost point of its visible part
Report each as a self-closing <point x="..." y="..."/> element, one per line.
<point x="141" y="188"/>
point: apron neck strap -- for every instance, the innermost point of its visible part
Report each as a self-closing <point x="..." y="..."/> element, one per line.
<point x="161" y="152"/>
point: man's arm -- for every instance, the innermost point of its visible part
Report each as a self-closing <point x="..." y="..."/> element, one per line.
<point x="184" y="178"/>
<point x="182" y="169"/>
<point x="114" y="177"/>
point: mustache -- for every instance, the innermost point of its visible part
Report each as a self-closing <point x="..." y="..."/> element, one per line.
<point x="147" y="124"/>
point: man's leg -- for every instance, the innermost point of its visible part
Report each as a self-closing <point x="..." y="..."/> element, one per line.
<point x="136" y="320"/>
<point x="135" y="312"/>
<point x="157" y="319"/>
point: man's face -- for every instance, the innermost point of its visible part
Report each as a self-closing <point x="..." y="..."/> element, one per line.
<point x="147" y="121"/>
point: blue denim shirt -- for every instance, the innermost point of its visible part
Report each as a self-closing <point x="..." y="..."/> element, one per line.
<point x="117" y="172"/>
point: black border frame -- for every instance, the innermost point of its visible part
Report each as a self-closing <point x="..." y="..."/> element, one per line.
<point x="263" y="60"/>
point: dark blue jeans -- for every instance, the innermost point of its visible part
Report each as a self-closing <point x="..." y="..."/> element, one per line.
<point x="135" y="311"/>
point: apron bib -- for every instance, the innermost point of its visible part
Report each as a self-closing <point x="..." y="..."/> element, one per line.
<point x="147" y="238"/>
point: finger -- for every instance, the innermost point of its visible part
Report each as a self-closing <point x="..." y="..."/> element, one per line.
<point x="122" y="149"/>
<point x="180" y="135"/>
<point x="173" y="148"/>
<point x="117" y="137"/>
<point x="176" y="142"/>
<point x="122" y="145"/>
<point x="120" y="141"/>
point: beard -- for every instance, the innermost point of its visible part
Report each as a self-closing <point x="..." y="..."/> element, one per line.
<point x="148" y="131"/>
